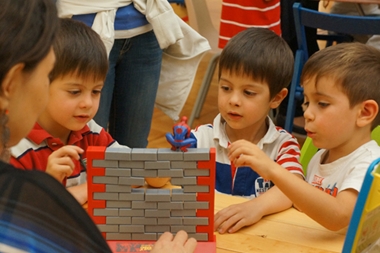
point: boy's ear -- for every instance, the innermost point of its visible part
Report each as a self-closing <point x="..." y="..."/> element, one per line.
<point x="277" y="99"/>
<point x="367" y="113"/>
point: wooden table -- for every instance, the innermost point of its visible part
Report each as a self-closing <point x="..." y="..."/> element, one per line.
<point x="288" y="231"/>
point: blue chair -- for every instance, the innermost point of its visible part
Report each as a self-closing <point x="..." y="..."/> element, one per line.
<point x="181" y="2"/>
<point x="340" y="24"/>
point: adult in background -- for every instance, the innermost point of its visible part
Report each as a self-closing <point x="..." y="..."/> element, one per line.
<point x="129" y="93"/>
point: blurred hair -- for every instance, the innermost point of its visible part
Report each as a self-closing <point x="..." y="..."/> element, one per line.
<point x="27" y="31"/>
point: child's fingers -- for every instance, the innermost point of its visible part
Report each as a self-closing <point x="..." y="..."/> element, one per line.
<point x="65" y="161"/>
<point x="70" y="151"/>
<point x="237" y="148"/>
<point x="233" y="153"/>
<point x="237" y="226"/>
<point x="218" y="220"/>
<point x="66" y="169"/>
<point x="226" y="218"/>
<point x="61" y="171"/>
<point x="228" y="224"/>
<point x="241" y="160"/>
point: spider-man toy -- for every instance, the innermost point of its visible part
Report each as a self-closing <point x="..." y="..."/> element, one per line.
<point x="182" y="138"/>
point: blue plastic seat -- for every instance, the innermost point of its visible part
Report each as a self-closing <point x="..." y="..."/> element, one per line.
<point x="181" y="2"/>
<point x="340" y="24"/>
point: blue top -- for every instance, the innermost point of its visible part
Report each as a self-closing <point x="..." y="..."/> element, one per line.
<point x="127" y="17"/>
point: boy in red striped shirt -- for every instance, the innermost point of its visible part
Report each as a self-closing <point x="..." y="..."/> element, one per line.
<point x="65" y="129"/>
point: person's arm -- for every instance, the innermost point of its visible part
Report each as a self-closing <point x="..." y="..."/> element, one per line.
<point x="333" y="213"/>
<point x="179" y="243"/>
<point x="79" y="192"/>
<point x="234" y="217"/>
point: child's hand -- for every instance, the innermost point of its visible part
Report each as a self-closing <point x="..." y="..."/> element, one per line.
<point x="79" y="192"/>
<point x="234" y="217"/>
<point x="60" y="163"/>
<point x="167" y="243"/>
<point x="245" y="153"/>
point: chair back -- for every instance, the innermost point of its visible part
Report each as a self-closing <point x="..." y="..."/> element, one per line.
<point x="177" y="1"/>
<point x="345" y="24"/>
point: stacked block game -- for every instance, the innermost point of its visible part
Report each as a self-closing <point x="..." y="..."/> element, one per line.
<point x="125" y="210"/>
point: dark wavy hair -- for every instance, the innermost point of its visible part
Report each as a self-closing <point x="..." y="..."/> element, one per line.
<point x="27" y="32"/>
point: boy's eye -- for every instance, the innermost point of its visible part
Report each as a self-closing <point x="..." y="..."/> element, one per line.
<point x="249" y="93"/>
<point x="96" y="92"/>
<point x="305" y="105"/>
<point x="323" y="104"/>
<point x="225" y="88"/>
<point x="74" y="92"/>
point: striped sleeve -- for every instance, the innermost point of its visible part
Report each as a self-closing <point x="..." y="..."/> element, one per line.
<point x="28" y="155"/>
<point x="288" y="156"/>
<point x="238" y="15"/>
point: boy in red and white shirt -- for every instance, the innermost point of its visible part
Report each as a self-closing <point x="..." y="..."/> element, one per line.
<point x="57" y="144"/>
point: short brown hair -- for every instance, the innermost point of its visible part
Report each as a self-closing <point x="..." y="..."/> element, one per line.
<point x="261" y="54"/>
<point x="79" y="49"/>
<point x="355" y="67"/>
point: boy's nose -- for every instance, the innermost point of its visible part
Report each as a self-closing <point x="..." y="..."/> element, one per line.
<point x="308" y="115"/>
<point x="234" y="99"/>
<point x="86" y="102"/>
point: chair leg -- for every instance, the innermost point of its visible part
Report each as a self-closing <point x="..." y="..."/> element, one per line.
<point x="202" y="93"/>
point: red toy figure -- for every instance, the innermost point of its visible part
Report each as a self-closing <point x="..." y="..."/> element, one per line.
<point x="182" y="138"/>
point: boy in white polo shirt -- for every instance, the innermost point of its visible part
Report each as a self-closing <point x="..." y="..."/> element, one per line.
<point x="255" y="68"/>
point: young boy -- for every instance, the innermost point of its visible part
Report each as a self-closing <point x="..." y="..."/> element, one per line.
<point x="255" y="68"/>
<point x="58" y="141"/>
<point x="342" y="96"/>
